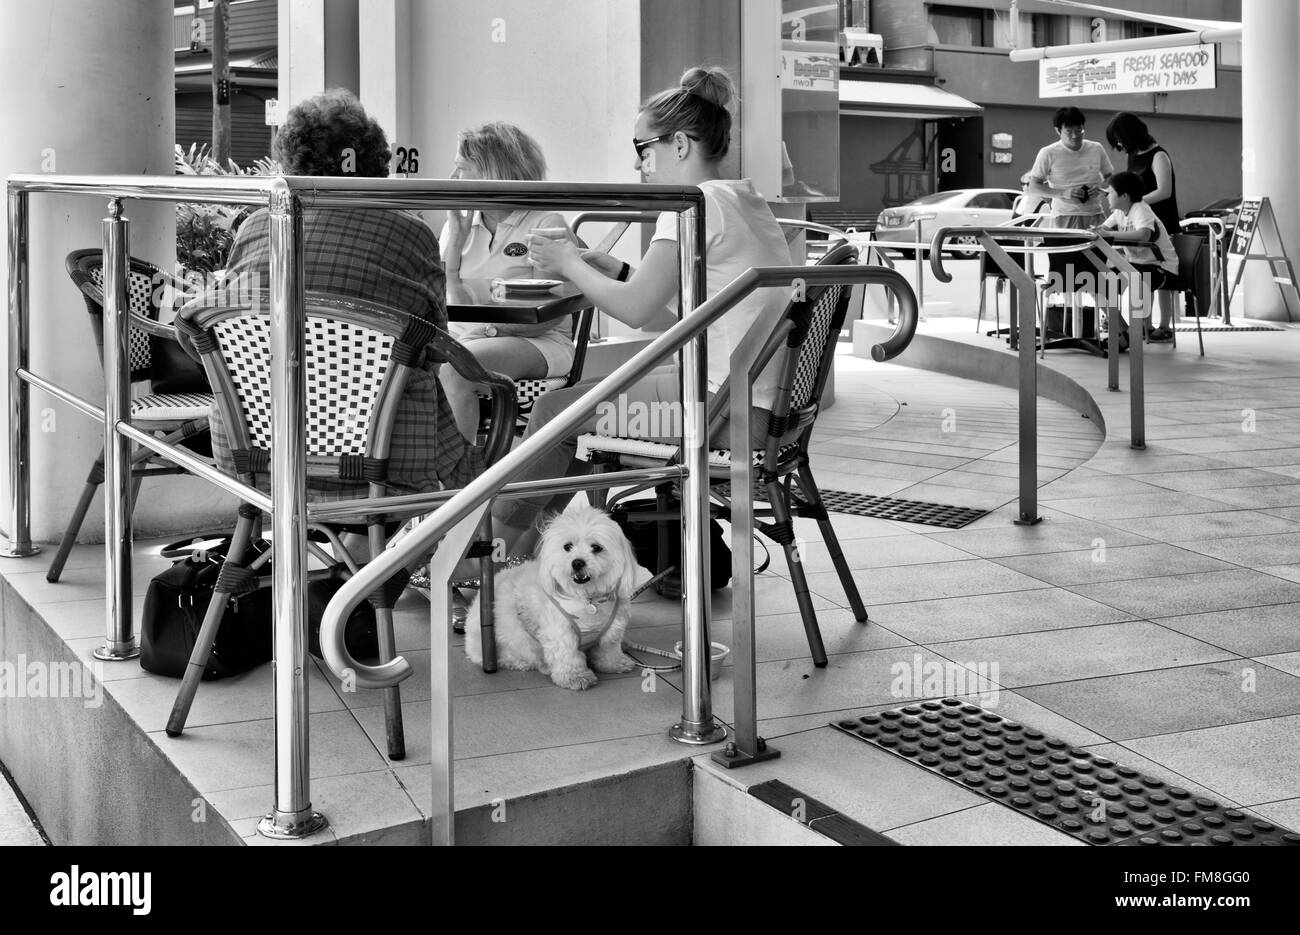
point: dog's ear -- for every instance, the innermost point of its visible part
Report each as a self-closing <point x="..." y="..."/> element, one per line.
<point x="627" y="583"/>
<point x="545" y="529"/>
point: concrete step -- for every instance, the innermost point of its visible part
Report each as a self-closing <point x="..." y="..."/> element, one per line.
<point x="16" y="827"/>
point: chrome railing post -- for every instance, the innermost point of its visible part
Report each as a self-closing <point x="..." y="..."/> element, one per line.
<point x="442" y="811"/>
<point x="1023" y="296"/>
<point x="20" y="470"/>
<point x="1139" y="313"/>
<point x="746" y="746"/>
<point x="697" y="725"/>
<point x="1136" y="378"/>
<point x="920" y="267"/>
<point x="120" y="642"/>
<point x="292" y="815"/>
<point x="1221" y="270"/>
<point x="1020" y="295"/>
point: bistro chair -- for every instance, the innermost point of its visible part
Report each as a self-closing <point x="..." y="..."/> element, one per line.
<point x="176" y="418"/>
<point x="807" y="331"/>
<point x="359" y="358"/>
<point x="990" y="270"/>
<point x="1188" y="247"/>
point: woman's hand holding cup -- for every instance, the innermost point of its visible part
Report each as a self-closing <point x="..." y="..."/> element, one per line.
<point x="550" y="250"/>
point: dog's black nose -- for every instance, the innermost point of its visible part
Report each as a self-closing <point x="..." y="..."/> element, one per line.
<point x="579" y="564"/>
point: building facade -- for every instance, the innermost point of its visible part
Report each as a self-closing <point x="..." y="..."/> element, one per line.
<point x="925" y="118"/>
<point x="254" y="74"/>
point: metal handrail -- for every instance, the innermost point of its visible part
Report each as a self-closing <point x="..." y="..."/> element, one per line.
<point x="1218" y="277"/>
<point x="329" y="192"/>
<point x="864" y="258"/>
<point x="287" y="197"/>
<point x="989" y="239"/>
<point x="487" y="485"/>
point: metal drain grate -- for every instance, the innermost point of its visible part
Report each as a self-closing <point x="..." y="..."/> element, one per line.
<point x="1085" y="796"/>
<point x="1182" y="329"/>
<point x="906" y="511"/>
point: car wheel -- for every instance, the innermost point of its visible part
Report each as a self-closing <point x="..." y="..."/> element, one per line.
<point x="966" y="254"/>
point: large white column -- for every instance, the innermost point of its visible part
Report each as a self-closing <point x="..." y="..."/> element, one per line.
<point x="318" y="47"/>
<point x="384" y="40"/>
<point x="88" y="89"/>
<point x="1270" y="135"/>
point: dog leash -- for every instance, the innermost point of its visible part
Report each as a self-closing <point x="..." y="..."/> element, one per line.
<point x="592" y="607"/>
<point x="719" y="651"/>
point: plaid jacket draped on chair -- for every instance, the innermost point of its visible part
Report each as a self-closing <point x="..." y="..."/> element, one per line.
<point x="384" y="256"/>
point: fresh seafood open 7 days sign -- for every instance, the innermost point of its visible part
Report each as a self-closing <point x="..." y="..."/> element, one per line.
<point x="1178" y="68"/>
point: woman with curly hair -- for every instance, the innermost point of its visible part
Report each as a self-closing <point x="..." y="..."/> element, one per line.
<point x="381" y="255"/>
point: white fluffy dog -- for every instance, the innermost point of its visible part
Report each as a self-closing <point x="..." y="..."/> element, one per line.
<point x="564" y="611"/>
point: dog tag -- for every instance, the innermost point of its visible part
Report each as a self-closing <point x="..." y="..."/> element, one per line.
<point x="591" y="608"/>
<point x="515" y="249"/>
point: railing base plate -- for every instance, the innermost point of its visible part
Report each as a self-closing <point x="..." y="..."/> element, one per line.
<point x="10" y="552"/>
<point x="285" y="826"/>
<point x="1027" y="521"/>
<point x="734" y="758"/>
<point x="111" y="652"/>
<point x="697" y="735"/>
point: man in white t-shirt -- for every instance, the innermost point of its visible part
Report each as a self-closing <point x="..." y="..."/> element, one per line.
<point x="1071" y="172"/>
<point x="1134" y="223"/>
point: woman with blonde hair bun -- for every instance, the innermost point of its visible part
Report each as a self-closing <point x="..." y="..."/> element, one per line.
<point x="680" y="138"/>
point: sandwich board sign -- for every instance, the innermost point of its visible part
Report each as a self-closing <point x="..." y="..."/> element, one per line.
<point x="1256" y="220"/>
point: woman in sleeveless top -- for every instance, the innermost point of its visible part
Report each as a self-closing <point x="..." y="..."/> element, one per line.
<point x="1127" y="133"/>
<point x="681" y="136"/>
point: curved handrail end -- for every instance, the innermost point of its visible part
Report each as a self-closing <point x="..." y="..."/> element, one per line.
<point x="936" y="254"/>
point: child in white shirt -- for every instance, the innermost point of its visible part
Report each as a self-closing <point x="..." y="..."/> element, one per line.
<point x="1136" y="224"/>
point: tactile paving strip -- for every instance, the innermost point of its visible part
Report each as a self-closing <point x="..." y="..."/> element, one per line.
<point x="1086" y="796"/>
<point x="906" y="511"/>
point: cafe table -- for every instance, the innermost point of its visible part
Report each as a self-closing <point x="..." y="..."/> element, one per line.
<point x="475" y="300"/>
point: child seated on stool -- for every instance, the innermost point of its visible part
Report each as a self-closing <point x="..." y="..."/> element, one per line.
<point x="1137" y="224"/>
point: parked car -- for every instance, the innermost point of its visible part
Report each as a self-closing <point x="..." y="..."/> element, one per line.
<point x="963" y="207"/>
<point x="1225" y="209"/>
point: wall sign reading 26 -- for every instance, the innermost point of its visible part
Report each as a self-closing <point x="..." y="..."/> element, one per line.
<point x="1182" y="68"/>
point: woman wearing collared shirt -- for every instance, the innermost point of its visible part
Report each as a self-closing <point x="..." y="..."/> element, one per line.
<point x="493" y="244"/>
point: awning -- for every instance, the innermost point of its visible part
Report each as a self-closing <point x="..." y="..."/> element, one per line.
<point x="902" y="99"/>
<point x="251" y="68"/>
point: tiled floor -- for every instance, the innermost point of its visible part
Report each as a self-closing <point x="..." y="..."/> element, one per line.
<point x="1154" y="617"/>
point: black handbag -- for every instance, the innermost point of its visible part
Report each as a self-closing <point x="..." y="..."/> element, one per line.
<point x="178" y="598"/>
<point x="639" y="520"/>
<point x="174" y="607"/>
<point x="171" y="370"/>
